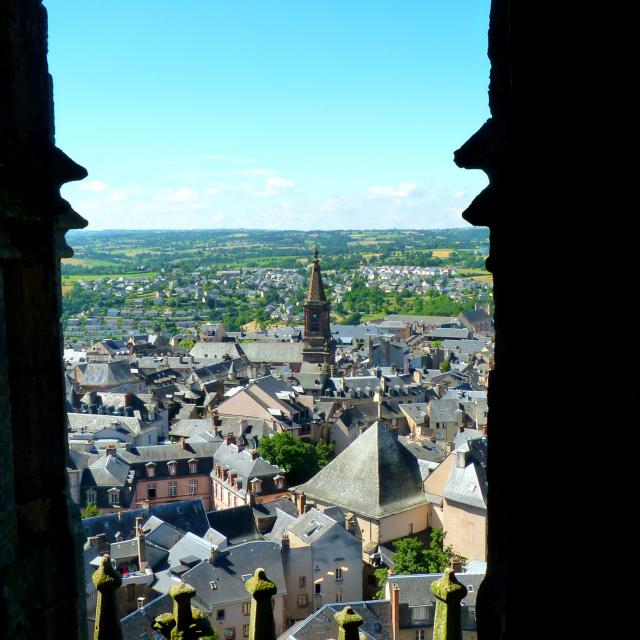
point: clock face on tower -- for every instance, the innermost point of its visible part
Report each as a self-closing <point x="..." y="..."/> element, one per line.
<point x="314" y="321"/>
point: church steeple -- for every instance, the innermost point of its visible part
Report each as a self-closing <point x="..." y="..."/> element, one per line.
<point x="319" y="348"/>
<point x="316" y="286"/>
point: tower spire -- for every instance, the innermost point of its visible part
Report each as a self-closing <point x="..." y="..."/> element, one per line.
<point x="316" y="286"/>
<point x="319" y="347"/>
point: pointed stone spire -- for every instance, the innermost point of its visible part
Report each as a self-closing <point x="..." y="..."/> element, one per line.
<point x="316" y="287"/>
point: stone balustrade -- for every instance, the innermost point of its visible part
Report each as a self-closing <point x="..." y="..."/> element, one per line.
<point x="187" y="623"/>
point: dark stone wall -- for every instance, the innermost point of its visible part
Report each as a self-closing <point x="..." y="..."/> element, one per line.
<point x="41" y="589"/>
<point x="545" y="152"/>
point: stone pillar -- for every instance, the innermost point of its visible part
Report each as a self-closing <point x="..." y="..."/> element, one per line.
<point x="348" y="621"/>
<point x="184" y="623"/>
<point x="447" y="624"/>
<point x="261" y="623"/>
<point x="107" y="581"/>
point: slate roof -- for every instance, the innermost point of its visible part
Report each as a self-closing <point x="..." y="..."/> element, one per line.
<point x="423" y="449"/>
<point x="274" y="351"/>
<point x="449" y="333"/>
<point x="237" y="524"/>
<point x="141" y="621"/>
<point x="187" y="547"/>
<point x="188" y="427"/>
<point x="228" y="569"/>
<point x="374" y="476"/>
<point x="280" y="527"/>
<point x="357" y="331"/>
<point x="186" y="515"/>
<point x="246" y="467"/>
<point x="468" y="485"/>
<point x="107" y="374"/>
<point x="415" y="591"/>
<point x="376" y="625"/>
<point x="94" y="423"/>
<point x="444" y="410"/>
<point x="216" y="350"/>
<point x="161" y="455"/>
<point x="312" y="525"/>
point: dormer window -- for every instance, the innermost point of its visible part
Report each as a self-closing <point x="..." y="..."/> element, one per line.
<point x="193" y="466"/>
<point x="91" y="496"/>
<point x="256" y="485"/>
<point x="151" y="469"/>
<point x="173" y="467"/>
<point x="114" y="496"/>
<point x="280" y="482"/>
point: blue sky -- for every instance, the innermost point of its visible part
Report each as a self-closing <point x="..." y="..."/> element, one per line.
<point x="275" y="114"/>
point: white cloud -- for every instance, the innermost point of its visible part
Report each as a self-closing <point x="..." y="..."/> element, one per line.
<point x="183" y="194"/>
<point x="403" y="190"/>
<point x="273" y="186"/>
<point x="212" y="191"/>
<point x="93" y="185"/>
<point x="118" y="195"/>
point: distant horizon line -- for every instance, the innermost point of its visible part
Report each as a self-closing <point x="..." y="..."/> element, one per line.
<point x="168" y="229"/>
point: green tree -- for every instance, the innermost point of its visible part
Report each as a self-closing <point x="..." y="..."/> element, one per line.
<point x="324" y="452"/>
<point x="89" y="511"/>
<point x="445" y="366"/>
<point x="298" y="459"/>
<point x="186" y="344"/>
<point x="411" y="556"/>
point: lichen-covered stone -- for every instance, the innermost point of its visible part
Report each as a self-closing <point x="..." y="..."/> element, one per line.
<point x="348" y="620"/>
<point x="185" y="623"/>
<point x="447" y="624"/>
<point x="107" y="581"/>
<point x="261" y="623"/>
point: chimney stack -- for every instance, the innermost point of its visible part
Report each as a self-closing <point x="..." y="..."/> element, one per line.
<point x="128" y="399"/>
<point x="302" y="502"/>
<point x="456" y="565"/>
<point x="395" y="611"/>
<point x="181" y="441"/>
<point x="230" y="439"/>
<point x="140" y="540"/>
<point x="141" y="602"/>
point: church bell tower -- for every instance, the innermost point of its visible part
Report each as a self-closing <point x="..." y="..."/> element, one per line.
<point x="319" y="347"/>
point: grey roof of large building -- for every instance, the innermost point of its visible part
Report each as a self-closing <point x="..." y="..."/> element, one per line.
<point x="374" y="476"/>
<point x="357" y="331"/>
<point x="216" y="350"/>
<point x="274" y="351"/>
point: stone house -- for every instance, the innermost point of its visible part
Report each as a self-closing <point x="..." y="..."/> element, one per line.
<point x="322" y="560"/>
<point x="241" y="477"/>
<point x="457" y="493"/>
